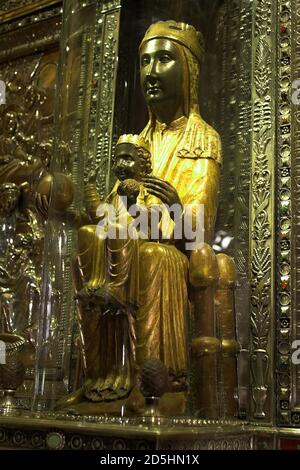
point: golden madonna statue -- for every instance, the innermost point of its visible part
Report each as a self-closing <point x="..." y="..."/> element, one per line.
<point x="176" y="286"/>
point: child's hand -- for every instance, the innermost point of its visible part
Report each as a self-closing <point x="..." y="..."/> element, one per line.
<point x="129" y="188"/>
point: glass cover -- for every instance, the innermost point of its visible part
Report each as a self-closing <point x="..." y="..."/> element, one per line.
<point x="153" y="140"/>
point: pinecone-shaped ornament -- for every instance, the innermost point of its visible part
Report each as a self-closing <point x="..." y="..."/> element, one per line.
<point x="154" y="378"/>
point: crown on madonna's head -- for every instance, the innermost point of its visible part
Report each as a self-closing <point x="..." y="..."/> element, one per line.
<point x="182" y="33"/>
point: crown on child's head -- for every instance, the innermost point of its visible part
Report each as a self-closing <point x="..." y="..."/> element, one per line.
<point x="135" y="140"/>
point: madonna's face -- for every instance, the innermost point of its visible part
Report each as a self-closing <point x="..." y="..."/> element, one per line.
<point x="161" y="72"/>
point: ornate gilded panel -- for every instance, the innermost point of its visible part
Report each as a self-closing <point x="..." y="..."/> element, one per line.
<point x="102" y="105"/>
<point x="28" y="68"/>
<point x="262" y="212"/>
<point x="295" y="209"/>
<point x="112" y="433"/>
<point x="288" y="218"/>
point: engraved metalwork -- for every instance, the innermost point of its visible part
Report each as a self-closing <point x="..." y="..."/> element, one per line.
<point x="262" y="68"/>
<point x="284" y="213"/>
<point x="227" y="443"/>
<point x="25" y="150"/>
<point x="23" y="438"/>
<point x="293" y="211"/>
<point x="105" y="433"/>
<point x="288" y="218"/>
<point x="26" y="34"/>
<point x="263" y="17"/>
<point x="261" y="214"/>
<point x="104" y="78"/>
<point x="12" y="22"/>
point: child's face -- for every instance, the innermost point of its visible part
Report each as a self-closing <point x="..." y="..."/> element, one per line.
<point x="127" y="162"/>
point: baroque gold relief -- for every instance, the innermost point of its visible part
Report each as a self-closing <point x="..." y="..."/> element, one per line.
<point x="30" y="88"/>
<point x="26" y="122"/>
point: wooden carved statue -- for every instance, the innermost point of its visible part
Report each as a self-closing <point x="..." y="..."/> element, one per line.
<point x="185" y="297"/>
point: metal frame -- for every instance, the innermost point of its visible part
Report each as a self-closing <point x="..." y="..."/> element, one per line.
<point x="262" y="227"/>
<point x="288" y="216"/>
<point x="275" y="171"/>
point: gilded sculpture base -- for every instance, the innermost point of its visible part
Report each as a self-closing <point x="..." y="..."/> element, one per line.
<point x="169" y="405"/>
<point x="36" y="431"/>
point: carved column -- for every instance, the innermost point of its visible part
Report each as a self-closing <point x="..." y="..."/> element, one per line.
<point x="262" y="211"/>
<point x="288" y="214"/>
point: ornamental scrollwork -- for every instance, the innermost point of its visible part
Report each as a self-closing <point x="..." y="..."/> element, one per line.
<point x="263" y="17"/>
<point x="288" y="142"/>
<point x="261" y="262"/>
<point x="106" y="90"/>
<point x="262" y="68"/>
